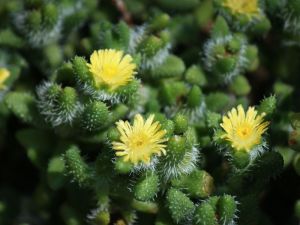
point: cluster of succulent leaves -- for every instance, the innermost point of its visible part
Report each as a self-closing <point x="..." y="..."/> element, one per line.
<point x="195" y="61"/>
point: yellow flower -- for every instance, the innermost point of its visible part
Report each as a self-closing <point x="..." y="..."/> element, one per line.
<point x="138" y="142"/>
<point x="243" y="130"/>
<point x="120" y="222"/>
<point x="4" y="74"/>
<point x="111" y="68"/>
<point x="249" y="8"/>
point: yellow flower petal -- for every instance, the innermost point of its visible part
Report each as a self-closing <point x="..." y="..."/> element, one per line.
<point x="111" y="68"/>
<point x="243" y="130"/>
<point x="4" y="74"/>
<point x="249" y="8"/>
<point x="141" y="140"/>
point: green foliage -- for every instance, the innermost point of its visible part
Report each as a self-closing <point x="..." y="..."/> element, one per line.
<point x="268" y="105"/>
<point x="180" y="206"/>
<point x="220" y="28"/>
<point x="55" y="172"/>
<point x="37" y="149"/>
<point x="68" y="131"/>
<point x="194" y="97"/>
<point x="9" y="38"/>
<point x="171" y="67"/>
<point x="296" y="163"/>
<point x="205" y="214"/>
<point x="95" y="116"/>
<point x="213" y="119"/>
<point x="147" y="187"/>
<point x="22" y="105"/>
<point x="198" y="184"/>
<point x="241" y="159"/>
<point x="181" y="123"/>
<point x="195" y="75"/>
<point x="297" y="208"/>
<point x="240" y="86"/>
<point x="170" y="5"/>
<point x="217" y="101"/>
<point x="81" y="70"/>
<point x="226" y="207"/>
<point x="76" y="166"/>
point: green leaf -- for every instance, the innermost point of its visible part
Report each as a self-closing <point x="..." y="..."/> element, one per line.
<point x="23" y="106"/>
<point x="220" y="28"/>
<point x="37" y="143"/>
<point x="55" y="172"/>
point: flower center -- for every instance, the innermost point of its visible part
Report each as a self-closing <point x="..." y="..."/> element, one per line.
<point x="138" y="141"/>
<point x="244" y="131"/>
<point x="109" y="72"/>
